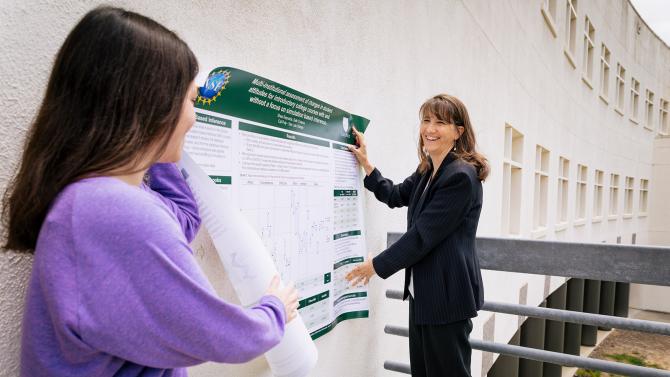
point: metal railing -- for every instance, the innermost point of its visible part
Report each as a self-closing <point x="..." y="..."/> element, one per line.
<point x="608" y="262"/>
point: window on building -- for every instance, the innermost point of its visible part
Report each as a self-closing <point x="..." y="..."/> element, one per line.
<point x="634" y="99"/>
<point x="628" y="197"/>
<point x="604" y="73"/>
<point x="614" y="196"/>
<point x="644" y="196"/>
<point x="549" y="13"/>
<point x="663" y="125"/>
<point x="563" y="179"/>
<point x="540" y="198"/>
<point x="582" y="177"/>
<point x="620" y="88"/>
<point x="571" y="30"/>
<point x="587" y="63"/>
<point x="649" y="106"/>
<point x="598" y="183"/>
<point x="512" y="177"/>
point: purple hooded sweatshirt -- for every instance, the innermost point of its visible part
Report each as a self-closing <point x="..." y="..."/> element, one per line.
<point x="115" y="289"/>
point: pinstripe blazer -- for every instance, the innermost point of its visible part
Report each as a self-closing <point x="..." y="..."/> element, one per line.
<point x="439" y="244"/>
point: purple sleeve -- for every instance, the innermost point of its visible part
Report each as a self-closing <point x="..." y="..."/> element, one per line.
<point x="142" y="298"/>
<point x="167" y="183"/>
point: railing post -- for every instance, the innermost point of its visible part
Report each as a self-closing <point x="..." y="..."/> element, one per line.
<point x="621" y="299"/>
<point x="622" y="294"/>
<point x="591" y="305"/>
<point x="607" y="290"/>
<point x="574" y="302"/>
<point x="555" y="331"/>
<point x="532" y="335"/>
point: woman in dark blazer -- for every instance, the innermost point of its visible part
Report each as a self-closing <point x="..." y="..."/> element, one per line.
<point x="442" y="276"/>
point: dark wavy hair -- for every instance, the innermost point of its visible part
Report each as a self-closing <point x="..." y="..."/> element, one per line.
<point x="111" y="104"/>
<point x="450" y="109"/>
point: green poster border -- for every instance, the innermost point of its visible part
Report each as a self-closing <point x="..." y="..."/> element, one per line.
<point x="342" y="317"/>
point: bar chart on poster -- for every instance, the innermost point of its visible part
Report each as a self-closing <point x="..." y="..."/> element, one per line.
<point x="281" y="158"/>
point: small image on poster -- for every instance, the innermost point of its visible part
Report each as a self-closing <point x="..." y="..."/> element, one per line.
<point x="282" y="157"/>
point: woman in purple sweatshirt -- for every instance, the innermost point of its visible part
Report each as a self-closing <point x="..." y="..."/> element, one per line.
<point x="115" y="289"/>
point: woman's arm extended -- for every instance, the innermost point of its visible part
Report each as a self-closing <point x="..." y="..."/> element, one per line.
<point x="166" y="181"/>
<point x="441" y="217"/>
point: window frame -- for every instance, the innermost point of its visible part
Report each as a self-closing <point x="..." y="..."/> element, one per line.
<point x="649" y="110"/>
<point x="634" y="100"/>
<point x="613" y="208"/>
<point x="598" y="195"/>
<point x="589" y="47"/>
<point x="620" y="89"/>
<point x="563" y="195"/>
<point x="541" y="192"/>
<point x="605" y="67"/>
<point x="571" y="31"/>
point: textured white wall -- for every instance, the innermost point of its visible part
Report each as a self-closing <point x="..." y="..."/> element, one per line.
<point x="381" y="59"/>
<point x="651" y="297"/>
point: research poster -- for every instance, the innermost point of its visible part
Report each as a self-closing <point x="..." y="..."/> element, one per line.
<point x="280" y="155"/>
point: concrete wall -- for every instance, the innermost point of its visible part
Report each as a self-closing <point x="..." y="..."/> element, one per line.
<point x="381" y="59"/>
<point x="651" y="297"/>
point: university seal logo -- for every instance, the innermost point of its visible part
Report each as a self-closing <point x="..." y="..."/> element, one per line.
<point x="215" y="84"/>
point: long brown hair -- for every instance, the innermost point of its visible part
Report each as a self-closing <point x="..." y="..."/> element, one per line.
<point x="450" y="109"/>
<point x="112" y="102"/>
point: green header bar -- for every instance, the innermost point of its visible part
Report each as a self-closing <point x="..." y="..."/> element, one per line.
<point x="241" y="94"/>
<point x="282" y="135"/>
<point x="344" y="262"/>
<point x="346" y="192"/>
<point x="221" y="180"/>
<point x="346" y="234"/>
<point x="214" y="121"/>
<point x="314" y="299"/>
<point x="350" y="296"/>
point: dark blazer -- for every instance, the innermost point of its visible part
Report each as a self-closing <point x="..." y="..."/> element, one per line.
<point x="439" y="244"/>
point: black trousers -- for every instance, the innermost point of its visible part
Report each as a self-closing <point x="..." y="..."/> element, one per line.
<point x="439" y="350"/>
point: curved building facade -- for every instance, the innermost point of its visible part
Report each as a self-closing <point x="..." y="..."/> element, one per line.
<point x="569" y="99"/>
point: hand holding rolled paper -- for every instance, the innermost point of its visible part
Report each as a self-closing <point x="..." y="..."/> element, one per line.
<point x="287" y="295"/>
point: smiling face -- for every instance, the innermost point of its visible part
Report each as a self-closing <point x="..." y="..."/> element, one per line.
<point x="175" y="146"/>
<point x="438" y="136"/>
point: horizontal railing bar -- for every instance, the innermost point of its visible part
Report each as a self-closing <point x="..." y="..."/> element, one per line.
<point x="397" y="367"/>
<point x="552" y="357"/>
<point x="397" y="330"/>
<point x="598" y="261"/>
<point x="568" y="316"/>
<point x="394" y="294"/>
<point x="600" y="320"/>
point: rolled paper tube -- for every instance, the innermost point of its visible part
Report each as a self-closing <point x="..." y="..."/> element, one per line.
<point x="249" y="266"/>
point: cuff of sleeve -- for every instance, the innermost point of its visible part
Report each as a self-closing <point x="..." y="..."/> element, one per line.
<point x="382" y="269"/>
<point x="370" y="181"/>
<point x="275" y="303"/>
